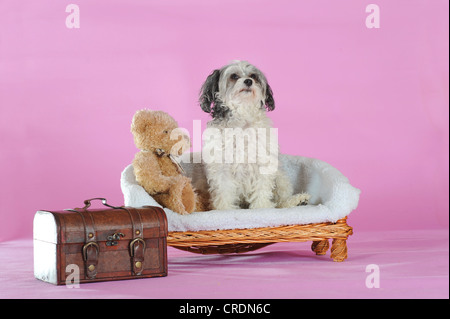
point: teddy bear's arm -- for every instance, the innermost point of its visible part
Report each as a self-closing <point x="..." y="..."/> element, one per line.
<point x="162" y="185"/>
<point x="149" y="175"/>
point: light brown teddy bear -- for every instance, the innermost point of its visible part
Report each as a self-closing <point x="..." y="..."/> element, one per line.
<point x="154" y="166"/>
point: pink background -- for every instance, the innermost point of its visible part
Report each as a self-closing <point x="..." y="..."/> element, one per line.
<point x="371" y="102"/>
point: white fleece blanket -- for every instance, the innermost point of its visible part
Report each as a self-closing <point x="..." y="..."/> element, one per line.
<point x="332" y="198"/>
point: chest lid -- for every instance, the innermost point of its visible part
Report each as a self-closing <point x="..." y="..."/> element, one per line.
<point x="100" y="225"/>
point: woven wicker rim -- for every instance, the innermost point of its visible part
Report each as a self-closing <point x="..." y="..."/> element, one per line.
<point x="243" y="240"/>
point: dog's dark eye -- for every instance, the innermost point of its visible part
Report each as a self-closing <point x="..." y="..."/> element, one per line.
<point x="254" y="77"/>
<point x="165" y="131"/>
<point x="234" y="76"/>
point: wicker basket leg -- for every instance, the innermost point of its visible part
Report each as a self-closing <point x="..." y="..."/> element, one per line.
<point x="320" y="247"/>
<point x="339" y="249"/>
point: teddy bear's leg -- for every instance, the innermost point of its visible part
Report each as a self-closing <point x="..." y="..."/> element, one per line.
<point x="188" y="198"/>
<point x="181" y="197"/>
<point x="176" y="195"/>
<point x="172" y="200"/>
<point x="164" y="200"/>
<point x="202" y="203"/>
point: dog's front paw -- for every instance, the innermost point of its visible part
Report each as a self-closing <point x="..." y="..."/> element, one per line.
<point x="303" y="199"/>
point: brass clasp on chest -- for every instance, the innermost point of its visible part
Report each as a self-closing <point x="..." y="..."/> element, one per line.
<point x="113" y="239"/>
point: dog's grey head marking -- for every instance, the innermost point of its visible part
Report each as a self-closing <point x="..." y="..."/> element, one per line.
<point x="209" y="95"/>
<point x="269" y="101"/>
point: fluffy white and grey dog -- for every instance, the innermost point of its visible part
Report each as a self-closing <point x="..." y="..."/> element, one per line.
<point x="243" y="172"/>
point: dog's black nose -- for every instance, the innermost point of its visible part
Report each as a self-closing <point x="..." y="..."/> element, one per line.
<point x="248" y="82"/>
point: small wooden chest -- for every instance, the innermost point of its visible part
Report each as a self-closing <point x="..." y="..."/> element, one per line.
<point x="99" y="244"/>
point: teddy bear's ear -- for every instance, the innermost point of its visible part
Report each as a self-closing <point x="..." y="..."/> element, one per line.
<point x="141" y="119"/>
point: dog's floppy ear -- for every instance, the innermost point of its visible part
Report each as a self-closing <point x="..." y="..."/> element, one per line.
<point x="269" y="101"/>
<point x="209" y="90"/>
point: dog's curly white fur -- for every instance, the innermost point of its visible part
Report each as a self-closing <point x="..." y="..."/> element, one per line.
<point x="238" y="96"/>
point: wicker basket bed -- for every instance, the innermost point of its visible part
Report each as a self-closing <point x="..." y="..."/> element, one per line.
<point x="224" y="232"/>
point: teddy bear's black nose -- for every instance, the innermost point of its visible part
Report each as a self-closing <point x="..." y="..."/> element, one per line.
<point x="248" y="82"/>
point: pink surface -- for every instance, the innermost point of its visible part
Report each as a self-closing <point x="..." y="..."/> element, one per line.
<point x="412" y="264"/>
